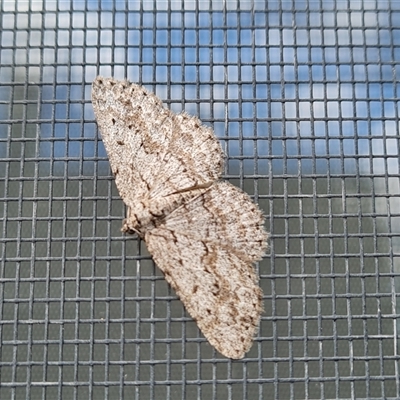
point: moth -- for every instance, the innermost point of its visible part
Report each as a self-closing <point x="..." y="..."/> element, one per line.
<point x="203" y="233"/>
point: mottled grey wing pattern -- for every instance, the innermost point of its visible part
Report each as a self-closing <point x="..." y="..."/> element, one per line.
<point x="152" y="151"/>
<point x="203" y="234"/>
<point x="205" y="249"/>
<point x="228" y="218"/>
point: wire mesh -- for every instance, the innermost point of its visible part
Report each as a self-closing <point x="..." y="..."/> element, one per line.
<point x="304" y="98"/>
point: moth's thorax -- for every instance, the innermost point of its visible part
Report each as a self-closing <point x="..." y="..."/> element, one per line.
<point x="151" y="213"/>
<point x="140" y="220"/>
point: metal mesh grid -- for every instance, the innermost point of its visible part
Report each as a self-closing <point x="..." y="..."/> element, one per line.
<point x="304" y="97"/>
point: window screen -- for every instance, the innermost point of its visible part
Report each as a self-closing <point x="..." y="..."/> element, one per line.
<point x="304" y="97"/>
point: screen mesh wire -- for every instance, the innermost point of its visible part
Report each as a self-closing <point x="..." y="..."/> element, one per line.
<point x="304" y="97"/>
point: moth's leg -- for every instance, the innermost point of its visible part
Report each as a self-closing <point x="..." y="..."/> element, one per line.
<point x="125" y="223"/>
